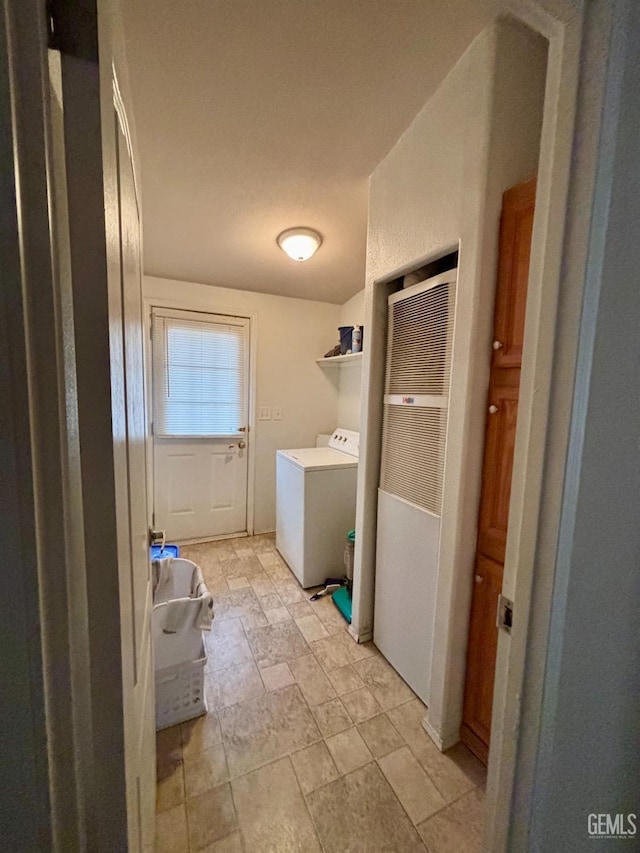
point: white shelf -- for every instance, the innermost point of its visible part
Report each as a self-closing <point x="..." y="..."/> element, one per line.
<point x="338" y="360"/>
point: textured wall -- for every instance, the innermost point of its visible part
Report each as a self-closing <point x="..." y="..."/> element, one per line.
<point x="291" y="334"/>
<point x="441" y="186"/>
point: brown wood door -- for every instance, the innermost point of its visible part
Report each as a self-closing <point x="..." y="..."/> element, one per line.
<point x="500" y="432"/>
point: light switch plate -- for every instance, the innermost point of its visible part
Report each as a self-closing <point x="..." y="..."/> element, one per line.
<point x="277" y="413"/>
<point x="264" y="413"/>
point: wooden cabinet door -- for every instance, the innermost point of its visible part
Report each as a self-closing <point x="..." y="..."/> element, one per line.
<point x="500" y="431"/>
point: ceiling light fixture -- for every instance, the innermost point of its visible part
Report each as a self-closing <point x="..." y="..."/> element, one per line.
<point x="299" y="243"/>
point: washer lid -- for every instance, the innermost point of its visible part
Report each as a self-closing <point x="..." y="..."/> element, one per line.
<point x="318" y="458"/>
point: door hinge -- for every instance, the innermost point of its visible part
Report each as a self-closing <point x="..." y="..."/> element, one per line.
<point x="505" y="613"/>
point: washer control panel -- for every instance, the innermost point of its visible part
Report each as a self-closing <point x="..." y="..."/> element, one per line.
<point x="346" y="440"/>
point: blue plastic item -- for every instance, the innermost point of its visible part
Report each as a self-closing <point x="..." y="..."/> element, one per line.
<point x="158" y="552"/>
<point x="342" y="600"/>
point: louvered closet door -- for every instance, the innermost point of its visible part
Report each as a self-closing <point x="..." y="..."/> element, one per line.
<point x="200" y="396"/>
<point x="418" y="369"/>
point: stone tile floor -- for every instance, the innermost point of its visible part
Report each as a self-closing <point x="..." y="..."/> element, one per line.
<point x="312" y="742"/>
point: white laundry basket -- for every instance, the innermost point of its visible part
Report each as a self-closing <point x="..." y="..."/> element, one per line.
<point x="180" y="657"/>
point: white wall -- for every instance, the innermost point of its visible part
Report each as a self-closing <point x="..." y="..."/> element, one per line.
<point x="350" y="376"/>
<point x="414" y="213"/>
<point x="352" y="312"/>
<point x="439" y="186"/>
<point x="291" y="334"/>
<point x="511" y="142"/>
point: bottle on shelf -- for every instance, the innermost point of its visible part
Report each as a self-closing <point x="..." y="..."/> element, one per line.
<point x="356" y="339"/>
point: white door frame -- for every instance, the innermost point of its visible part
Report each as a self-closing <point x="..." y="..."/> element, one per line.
<point x="582" y="36"/>
<point x="47" y="757"/>
<point x="64" y="697"/>
<point x="203" y="306"/>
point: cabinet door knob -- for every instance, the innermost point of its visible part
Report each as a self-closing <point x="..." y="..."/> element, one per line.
<point x="479" y="578"/>
<point x="492" y="409"/>
<point x="497" y="344"/>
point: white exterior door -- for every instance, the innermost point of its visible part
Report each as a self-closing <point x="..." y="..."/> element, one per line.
<point x="200" y="434"/>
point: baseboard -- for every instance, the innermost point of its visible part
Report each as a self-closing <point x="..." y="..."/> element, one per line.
<point x="360" y="638"/>
<point x="443" y="742"/>
<point x="203" y="540"/>
<point x="477" y="746"/>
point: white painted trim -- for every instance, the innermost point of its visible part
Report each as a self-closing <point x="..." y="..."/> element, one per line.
<point x="360" y="638"/>
<point x="47" y="749"/>
<point x="201" y="540"/>
<point x="179" y="314"/>
<point x="533" y="435"/>
<point x="586" y="732"/>
<point x="205" y="307"/>
<point x="442" y="741"/>
<point x="121" y="113"/>
<point x="556" y="144"/>
<point x="448" y="277"/>
<point x="350" y="358"/>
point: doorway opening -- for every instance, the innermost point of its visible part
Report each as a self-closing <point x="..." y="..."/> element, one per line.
<point x="200" y="390"/>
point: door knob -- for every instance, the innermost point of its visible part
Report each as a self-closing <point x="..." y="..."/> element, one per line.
<point x="492" y="409"/>
<point x="479" y="578"/>
<point x="242" y="445"/>
<point x="497" y="344"/>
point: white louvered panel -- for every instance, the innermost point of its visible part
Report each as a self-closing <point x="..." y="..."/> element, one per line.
<point x="412" y="449"/>
<point x="416" y="392"/>
<point x="200" y="373"/>
<point x="420" y="325"/>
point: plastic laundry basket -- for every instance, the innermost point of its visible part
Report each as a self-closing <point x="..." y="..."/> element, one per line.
<point x="180" y="657"/>
<point x="180" y="692"/>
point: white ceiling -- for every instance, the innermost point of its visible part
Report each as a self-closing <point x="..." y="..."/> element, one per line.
<point x="258" y="115"/>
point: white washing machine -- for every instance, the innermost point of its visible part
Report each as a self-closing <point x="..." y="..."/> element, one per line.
<point x="316" y="506"/>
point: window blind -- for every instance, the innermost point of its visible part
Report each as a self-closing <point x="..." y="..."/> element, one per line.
<point x="200" y="374"/>
<point x="416" y="398"/>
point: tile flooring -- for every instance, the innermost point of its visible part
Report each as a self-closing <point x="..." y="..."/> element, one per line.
<point x="312" y="742"/>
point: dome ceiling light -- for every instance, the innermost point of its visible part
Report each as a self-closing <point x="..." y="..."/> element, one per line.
<point x="299" y="243"/>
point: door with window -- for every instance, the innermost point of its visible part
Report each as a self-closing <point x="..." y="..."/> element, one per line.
<point x="200" y="423"/>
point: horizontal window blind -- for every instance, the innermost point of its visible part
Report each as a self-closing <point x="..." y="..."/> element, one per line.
<point x="200" y="374"/>
<point x="416" y="402"/>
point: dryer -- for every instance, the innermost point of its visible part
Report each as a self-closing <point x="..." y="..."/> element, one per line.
<point x="316" y="506"/>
